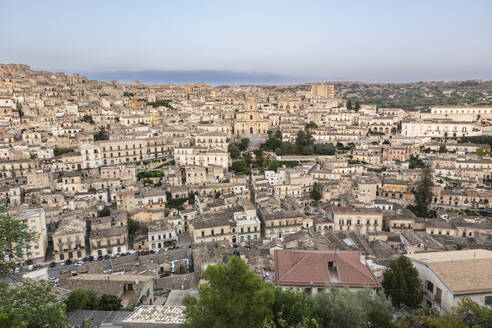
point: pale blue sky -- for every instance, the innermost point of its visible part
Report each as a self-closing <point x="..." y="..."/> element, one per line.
<point x="317" y="40"/>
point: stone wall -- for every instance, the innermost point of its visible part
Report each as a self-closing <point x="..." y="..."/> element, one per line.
<point x="179" y="281"/>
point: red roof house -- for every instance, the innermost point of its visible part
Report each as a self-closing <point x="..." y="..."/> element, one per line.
<point x="318" y="269"/>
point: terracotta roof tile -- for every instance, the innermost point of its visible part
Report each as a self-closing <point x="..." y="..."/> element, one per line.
<point x="310" y="268"/>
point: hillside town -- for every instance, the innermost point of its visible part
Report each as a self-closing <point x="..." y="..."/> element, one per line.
<point x="133" y="190"/>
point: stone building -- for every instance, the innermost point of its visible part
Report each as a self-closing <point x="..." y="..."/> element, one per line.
<point x="69" y="239"/>
<point x="250" y="120"/>
<point x="109" y="241"/>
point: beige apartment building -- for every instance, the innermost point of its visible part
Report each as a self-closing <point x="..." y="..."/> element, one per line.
<point x="109" y="241"/>
<point x="122" y="151"/>
<point x="277" y="223"/>
<point x="212" y="140"/>
<point x="323" y="90"/>
<point x="363" y="220"/>
<point x="69" y="239"/>
<point x="35" y="221"/>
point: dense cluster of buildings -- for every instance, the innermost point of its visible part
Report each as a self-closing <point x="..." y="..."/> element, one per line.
<point x="103" y="169"/>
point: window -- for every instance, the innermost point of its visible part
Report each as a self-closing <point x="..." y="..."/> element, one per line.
<point x="488" y="300"/>
<point x="429" y="286"/>
<point x="438" y="295"/>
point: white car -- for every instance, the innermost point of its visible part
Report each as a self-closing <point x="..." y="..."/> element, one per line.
<point x="62" y="263"/>
<point x="79" y="263"/>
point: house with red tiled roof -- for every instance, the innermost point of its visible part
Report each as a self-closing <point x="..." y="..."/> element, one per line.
<point x="313" y="271"/>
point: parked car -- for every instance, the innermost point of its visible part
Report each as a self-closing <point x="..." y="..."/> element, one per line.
<point x="68" y="262"/>
<point x="91" y="258"/>
<point x="30" y="267"/>
<point x="52" y="264"/>
<point x="106" y="256"/>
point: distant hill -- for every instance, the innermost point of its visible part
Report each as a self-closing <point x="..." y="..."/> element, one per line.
<point x="212" y="77"/>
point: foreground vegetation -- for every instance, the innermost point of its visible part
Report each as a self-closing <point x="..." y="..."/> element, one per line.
<point x="235" y="297"/>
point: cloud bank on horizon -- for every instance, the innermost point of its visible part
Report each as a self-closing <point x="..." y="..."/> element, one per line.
<point x="213" y="77"/>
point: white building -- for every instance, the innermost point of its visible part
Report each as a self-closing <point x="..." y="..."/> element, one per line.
<point x="201" y="156"/>
<point x="447" y="277"/>
<point x="160" y="234"/>
<point x="439" y="128"/>
<point x="275" y="178"/>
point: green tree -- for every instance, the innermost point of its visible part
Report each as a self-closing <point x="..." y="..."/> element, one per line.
<point x="60" y="151"/>
<point x="278" y="134"/>
<point x="232" y="297"/>
<point x="310" y="125"/>
<point x="133" y="226"/>
<point x="316" y="192"/>
<point x="303" y="139"/>
<point x="340" y="308"/>
<point x="233" y="151"/>
<point x="378" y="308"/>
<point x="82" y="299"/>
<point x="243" y="144"/>
<point x="349" y="104"/>
<point x="13" y="243"/>
<point x="286" y="148"/>
<point x="271" y="144"/>
<point x="423" y="194"/>
<point x="87" y="323"/>
<point x="77" y="299"/>
<point x="31" y="304"/>
<point x="240" y="167"/>
<point x="88" y="119"/>
<point x="104" y="212"/>
<point x="294" y="309"/>
<point x="101" y="135"/>
<point x="357" y="106"/>
<point x="109" y="303"/>
<point x="401" y="282"/>
<point x="474" y="314"/>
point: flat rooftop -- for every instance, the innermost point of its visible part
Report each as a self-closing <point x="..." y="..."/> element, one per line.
<point x="462" y="255"/>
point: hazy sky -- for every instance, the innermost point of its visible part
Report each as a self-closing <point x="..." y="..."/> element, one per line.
<point x="317" y="40"/>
